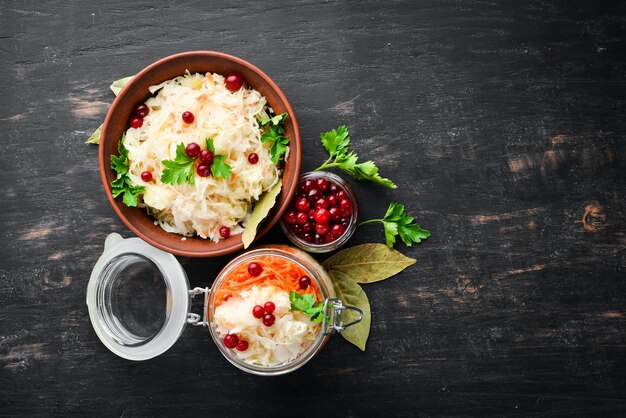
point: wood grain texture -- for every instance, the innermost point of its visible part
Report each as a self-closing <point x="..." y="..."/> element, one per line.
<point x="502" y="123"/>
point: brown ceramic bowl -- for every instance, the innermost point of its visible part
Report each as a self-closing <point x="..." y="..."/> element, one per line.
<point x="136" y="91"/>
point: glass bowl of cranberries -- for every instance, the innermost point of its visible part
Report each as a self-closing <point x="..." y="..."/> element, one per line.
<point x="322" y="216"/>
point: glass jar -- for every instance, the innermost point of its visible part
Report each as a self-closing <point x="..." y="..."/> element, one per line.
<point x="310" y="245"/>
<point x="139" y="302"/>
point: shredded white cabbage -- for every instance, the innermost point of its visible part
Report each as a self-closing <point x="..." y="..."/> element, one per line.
<point x="230" y="119"/>
<point x="292" y="333"/>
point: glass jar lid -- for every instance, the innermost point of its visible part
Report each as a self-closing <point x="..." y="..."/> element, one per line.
<point x="138" y="298"/>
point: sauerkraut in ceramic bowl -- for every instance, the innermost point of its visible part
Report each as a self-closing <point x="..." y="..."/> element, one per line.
<point x="192" y="145"/>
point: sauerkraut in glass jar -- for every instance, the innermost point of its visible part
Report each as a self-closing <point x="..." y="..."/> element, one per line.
<point x="272" y="309"/>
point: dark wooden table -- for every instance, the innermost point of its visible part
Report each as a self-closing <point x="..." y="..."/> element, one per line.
<point x="503" y="125"/>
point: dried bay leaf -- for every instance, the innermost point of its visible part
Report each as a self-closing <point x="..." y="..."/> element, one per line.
<point x="352" y="294"/>
<point x="368" y="263"/>
<point x="116" y="87"/>
<point x="261" y="209"/>
<point x="95" y="137"/>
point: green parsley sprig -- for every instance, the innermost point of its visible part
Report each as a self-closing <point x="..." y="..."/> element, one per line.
<point x="274" y="133"/>
<point x="398" y="222"/>
<point x="306" y="303"/>
<point x="219" y="168"/>
<point x="336" y="143"/>
<point x="181" y="169"/>
<point x="122" y="184"/>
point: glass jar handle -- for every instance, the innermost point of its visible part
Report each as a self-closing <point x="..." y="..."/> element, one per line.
<point x="333" y="308"/>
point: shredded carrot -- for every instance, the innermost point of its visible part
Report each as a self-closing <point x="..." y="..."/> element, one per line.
<point x="277" y="272"/>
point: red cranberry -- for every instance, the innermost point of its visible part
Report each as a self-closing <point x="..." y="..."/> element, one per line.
<point x="146" y="176"/>
<point x="322" y="216"/>
<point x="346" y="213"/>
<point x="225" y="231"/>
<point x="329" y="237"/>
<point x="290" y="217"/>
<point x="311" y="215"/>
<point x="204" y="170"/>
<point x="341" y="194"/>
<point x="269" y="307"/>
<point x="193" y="150"/>
<point x="307" y="185"/>
<point x="142" y="110"/>
<point x="188" y="117"/>
<point x="301" y="218"/>
<point x="321" y="203"/>
<point x="318" y="239"/>
<point x="332" y="188"/>
<point x="136" y="122"/>
<point x="307" y="227"/>
<point x="322" y="229"/>
<point x="313" y="195"/>
<point x="255" y="269"/>
<point x="321" y="184"/>
<point x="303" y="205"/>
<point x="242" y="346"/>
<point x="258" y="311"/>
<point x="207" y="156"/>
<point x="268" y="320"/>
<point x="297" y="229"/>
<point x="304" y="282"/>
<point x="344" y="222"/>
<point x="337" y="230"/>
<point x="345" y="204"/>
<point x="233" y="82"/>
<point x="308" y="237"/>
<point x="332" y="200"/>
<point x="335" y="214"/>
<point x="253" y="158"/>
<point x="231" y="340"/>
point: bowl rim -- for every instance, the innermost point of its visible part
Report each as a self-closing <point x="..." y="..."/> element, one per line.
<point x="278" y="210"/>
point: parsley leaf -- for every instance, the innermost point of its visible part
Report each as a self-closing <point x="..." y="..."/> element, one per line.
<point x="209" y="145"/>
<point x="180" y="170"/>
<point x="301" y="302"/>
<point x="398" y="222"/>
<point x="181" y="155"/>
<point x="275" y="120"/>
<point x="278" y="149"/>
<point x="177" y="173"/>
<point x="119" y="164"/>
<point x="306" y="303"/>
<point x="122" y="186"/>
<point x="336" y="143"/>
<point x="219" y="168"/>
<point x="274" y="133"/>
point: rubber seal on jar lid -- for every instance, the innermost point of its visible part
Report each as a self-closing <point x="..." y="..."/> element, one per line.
<point x="138" y="298"/>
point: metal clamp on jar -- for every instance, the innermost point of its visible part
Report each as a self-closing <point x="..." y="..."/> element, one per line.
<point x="139" y="302"/>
